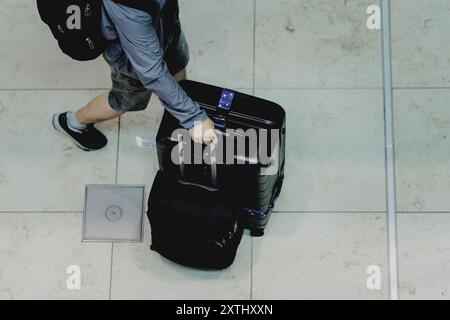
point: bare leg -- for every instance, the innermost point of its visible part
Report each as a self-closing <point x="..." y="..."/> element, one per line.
<point x="97" y="110"/>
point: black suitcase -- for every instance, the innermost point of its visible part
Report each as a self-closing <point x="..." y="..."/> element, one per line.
<point x="256" y="184"/>
<point x="192" y="225"/>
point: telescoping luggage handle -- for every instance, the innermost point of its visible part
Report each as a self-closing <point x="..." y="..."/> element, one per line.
<point x="213" y="165"/>
<point x="223" y="108"/>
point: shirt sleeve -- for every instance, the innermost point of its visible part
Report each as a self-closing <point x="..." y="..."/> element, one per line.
<point x="141" y="45"/>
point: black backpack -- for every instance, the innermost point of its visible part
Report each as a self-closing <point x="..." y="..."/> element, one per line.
<point x="76" y="24"/>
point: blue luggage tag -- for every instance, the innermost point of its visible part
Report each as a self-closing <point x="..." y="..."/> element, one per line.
<point x="224" y="106"/>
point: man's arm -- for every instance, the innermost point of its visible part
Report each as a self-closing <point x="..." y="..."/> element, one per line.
<point x="141" y="45"/>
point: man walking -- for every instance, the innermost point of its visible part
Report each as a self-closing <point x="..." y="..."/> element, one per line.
<point x="146" y="56"/>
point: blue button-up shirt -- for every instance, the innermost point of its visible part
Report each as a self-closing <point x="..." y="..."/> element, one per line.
<point x="140" y="55"/>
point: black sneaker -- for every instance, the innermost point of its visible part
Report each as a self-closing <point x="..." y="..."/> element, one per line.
<point x="88" y="139"/>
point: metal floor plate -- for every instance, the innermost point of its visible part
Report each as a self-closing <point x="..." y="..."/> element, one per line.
<point x="113" y="213"/>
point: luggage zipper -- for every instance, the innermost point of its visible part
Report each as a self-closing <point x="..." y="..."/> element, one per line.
<point x="241" y="115"/>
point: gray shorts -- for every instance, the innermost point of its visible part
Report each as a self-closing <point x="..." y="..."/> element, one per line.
<point x="128" y="94"/>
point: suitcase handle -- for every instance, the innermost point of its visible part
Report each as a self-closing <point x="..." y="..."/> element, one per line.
<point x="214" y="180"/>
<point x="223" y="108"/>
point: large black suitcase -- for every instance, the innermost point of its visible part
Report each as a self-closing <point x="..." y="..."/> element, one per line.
<point x="192" y="225"/>
<point x="257" y="180"/>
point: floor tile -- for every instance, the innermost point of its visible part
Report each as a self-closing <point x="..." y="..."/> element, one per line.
<point x="335" y="150"/>
<point x="326" y="256"/>
<point x="221" y="53"/>
<point x="422" y="132"/>
<point x="420" y="43"/>
<point x="36" y="251"/>
<point x="139" y="165"/>
<point x="40" y="169"/>
<point x="220" y="36"/>
<point x="30" y="56"/>
<point x="139" y="273"/>
<point x="310" y="44"/>
<point x="424" y="246"/>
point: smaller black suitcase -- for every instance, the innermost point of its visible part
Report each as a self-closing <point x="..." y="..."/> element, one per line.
<point x="193" y="225"/>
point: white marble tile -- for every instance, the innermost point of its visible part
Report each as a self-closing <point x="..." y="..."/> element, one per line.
<point x="334" y="151"/>
<point x="220" y="36"/>
<point x="420" y="43"/>
<point x="30" y="57"/>
<point x="139" y="273"/>
<point x="316" y="43"/>
<point x="221" y="53"/>
<point x="36" y="251"/>
<point x="40" y="169"/>
<point x="139" y="165"/>
<point x="320" y="256"/>
<point x="424" y="246"/>
<point x="423" y="150"/>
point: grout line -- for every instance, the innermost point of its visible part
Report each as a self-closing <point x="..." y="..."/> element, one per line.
<point x="423" y="212"/>
<point x="275" y="211"/>
<point x="240" y="88"/>
<point x="319" y="88"/>
<point x="111" y="271"/>
<point x="328" y="212"/>
<point x="390" y="153"/>
<point x="56" y="89"/>
<point x="421" y="88"/>
<point x="251" y="268"/>
<point x="254" y="84"/>
<point x="254" y="92"/>
<point x="41" y="212"/>
<point x="118" y="146"/>
<point x="254" y="47"/>
<point x="116" y="179"/>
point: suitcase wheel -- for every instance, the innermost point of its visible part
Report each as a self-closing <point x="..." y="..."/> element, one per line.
<point x="257" y="233"/>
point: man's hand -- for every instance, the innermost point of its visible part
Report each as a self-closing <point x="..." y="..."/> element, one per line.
<point x="204" y="132"/>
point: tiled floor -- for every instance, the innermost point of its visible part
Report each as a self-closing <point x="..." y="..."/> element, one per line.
<point x="317" y="59"/>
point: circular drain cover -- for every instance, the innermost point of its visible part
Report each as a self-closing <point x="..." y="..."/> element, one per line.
<point x="113" y="213"/>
